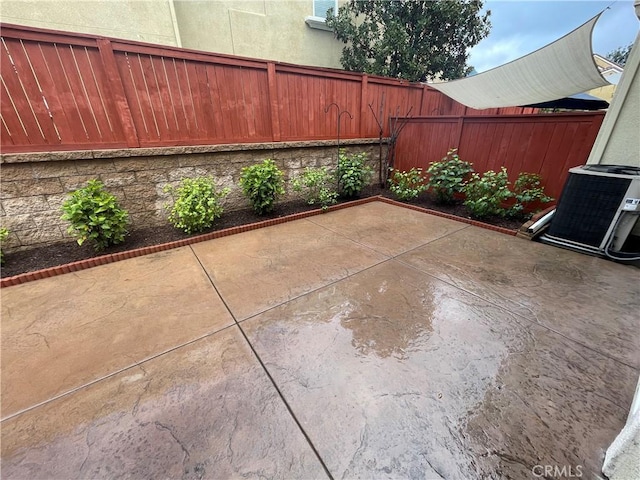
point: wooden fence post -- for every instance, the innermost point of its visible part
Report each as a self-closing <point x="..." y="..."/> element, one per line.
<point x="273" y="102"/>
<point x="364" y="90"/>
<point x="422" y="95"/>
<point x="117" y="89"/>
<point x="460" y="127"/>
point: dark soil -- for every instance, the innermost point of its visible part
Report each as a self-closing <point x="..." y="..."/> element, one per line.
<point x="66" y="252"/>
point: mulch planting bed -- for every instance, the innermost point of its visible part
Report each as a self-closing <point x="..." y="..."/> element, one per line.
<point x="38" y="258"/>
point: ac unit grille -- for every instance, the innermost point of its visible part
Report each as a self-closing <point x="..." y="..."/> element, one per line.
<point x="586" y="207"/>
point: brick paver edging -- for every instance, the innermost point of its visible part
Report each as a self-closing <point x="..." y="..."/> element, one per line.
<point x="476" y="223"/>
<point x="115" y="257"/>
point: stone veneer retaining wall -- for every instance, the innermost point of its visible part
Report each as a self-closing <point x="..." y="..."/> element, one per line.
<point x="34" y="185"/>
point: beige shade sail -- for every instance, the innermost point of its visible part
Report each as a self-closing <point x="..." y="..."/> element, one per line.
<point x="562" y="68"/>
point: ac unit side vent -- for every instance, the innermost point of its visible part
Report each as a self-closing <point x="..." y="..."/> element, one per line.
<point x="586" y="207"/>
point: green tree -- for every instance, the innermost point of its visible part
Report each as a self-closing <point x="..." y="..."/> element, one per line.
<point x="410" y="39"/>
<point x="620" y="55"/>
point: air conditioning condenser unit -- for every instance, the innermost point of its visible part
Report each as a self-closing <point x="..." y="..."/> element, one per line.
<point x="598" y="212"/>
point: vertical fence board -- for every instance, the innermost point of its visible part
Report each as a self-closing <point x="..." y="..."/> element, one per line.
<point x="169" y="123"/>
<point x="111" y="84"/>
<point x="21" y="104"/>
<point x="222" y="128"/>
<point x="544" y="144"/>
<point x="252" y="99"/>
<point x="75" y="78"/>
<point x="202" y="101"/>
<point x="107" y="93"/>
<point x="11" y="120"/>
<point x="49" y="91"/>
<point x="264" y="128"/>
<point x="84" y="59"/>
<point x="187" y="123"/>
<point x="134" y="93"/>
<point x="236" y="105"/>
<point x="5" y="136"/>
<point x="180" y="101"/>
<point x="28" y="79"/>
<point x="274" y="106"/>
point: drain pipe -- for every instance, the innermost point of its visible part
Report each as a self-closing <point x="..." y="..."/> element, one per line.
<point x="541" y="223"/>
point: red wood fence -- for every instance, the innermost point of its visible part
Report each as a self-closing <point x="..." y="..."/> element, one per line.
<point x="68" y="91"/>
<point x="547" y="144"/>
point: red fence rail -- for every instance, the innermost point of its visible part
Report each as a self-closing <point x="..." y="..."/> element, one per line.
<point x="547" y="144"/>
<point x="67" y="91"/>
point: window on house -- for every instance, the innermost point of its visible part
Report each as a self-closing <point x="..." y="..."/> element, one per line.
<point x="320" y="7"/>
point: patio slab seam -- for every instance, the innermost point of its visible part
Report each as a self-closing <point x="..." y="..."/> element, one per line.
<point x="265" y="369"/>
<point x="520" y="315"/>
<point x="333" y="282"/>
<point x="286" y="404"/>
<point x="116" y="257"/>
<point x="116" y="372"/>
<point x="390" y="257"/>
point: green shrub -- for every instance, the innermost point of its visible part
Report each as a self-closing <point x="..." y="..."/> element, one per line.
<point x="352" y="173"/>
<point x="407" y="185"/>
<point x="197" y="203"/>
<point x="96" y="216"/>
<point x="447" y="177"/>
<point x="528" y="191"/>
<point x="485" y="194"/>
<point x="316" y="185"/>
<point x="262" y="184"/>
<point x="4" y="233"/>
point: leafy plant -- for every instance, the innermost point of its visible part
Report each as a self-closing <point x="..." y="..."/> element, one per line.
<point x="4" y="233"/>
<point x="485" y="194"/>
<point x="447" y="177"/>
<point x="620" y="54"/>
<point x="262" y="184"/>
<point x="528" y="191"/>
<point x="352" y="173"/>
<point x="197" y="203"/>
<point x="387" y="37"/>
<point x="96" y="216"/>
<point x="316" y="185"/>
<point x="407" y="185"/>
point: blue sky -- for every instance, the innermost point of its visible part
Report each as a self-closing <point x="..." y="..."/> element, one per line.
<point x="520" y="27"/>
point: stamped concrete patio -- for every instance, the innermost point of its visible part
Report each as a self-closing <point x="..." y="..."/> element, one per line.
<point x="369" y="342"/>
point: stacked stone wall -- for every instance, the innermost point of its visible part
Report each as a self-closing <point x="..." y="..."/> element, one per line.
<point x="34" y="186"/>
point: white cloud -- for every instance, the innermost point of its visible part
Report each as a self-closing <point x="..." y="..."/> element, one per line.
<point x="485" y="57"/>
<point x="520" y="28"/>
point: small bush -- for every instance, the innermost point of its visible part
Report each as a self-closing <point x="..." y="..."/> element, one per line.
<point x="316" y="185"/>
<point x="485" y="194"/>
<point x="447" y="177"/>
<point x="96" y="216"/>
<point x="407" y="185"/>
<point x="528" y="191"/>
<point x="4" y="233"/>
<point x="197" y="203"/>
<point x="352" y="173"/>
<point x="262" y="184"/>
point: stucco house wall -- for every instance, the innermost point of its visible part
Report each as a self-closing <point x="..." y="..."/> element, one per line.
<point x="618" y="142"/>
<point x="273" y="30"/>
<point x="266" y="29"/>
<point x="144" y="21"/>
